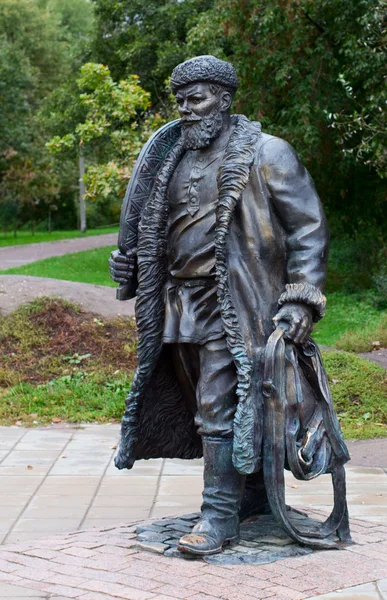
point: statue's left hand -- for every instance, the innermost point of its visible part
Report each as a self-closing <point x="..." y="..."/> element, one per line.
<point x="122" y="266"/>
<point x="299" y="318"/>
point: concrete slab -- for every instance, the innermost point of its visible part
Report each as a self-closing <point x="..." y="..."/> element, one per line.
<point x="15" y="592"/>
<point x="368" y="591"/>
<point x="80" y="486"/>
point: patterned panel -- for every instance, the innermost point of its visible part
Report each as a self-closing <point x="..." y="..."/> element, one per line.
<point x="142" y="181"/>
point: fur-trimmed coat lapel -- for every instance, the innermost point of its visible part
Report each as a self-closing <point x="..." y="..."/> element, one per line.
<point x="152" y="243"/>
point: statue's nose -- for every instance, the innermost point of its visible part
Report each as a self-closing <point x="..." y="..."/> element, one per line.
<point x="184" y="110"/>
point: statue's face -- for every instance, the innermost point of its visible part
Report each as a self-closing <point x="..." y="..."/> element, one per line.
<point x="201" y="113"/>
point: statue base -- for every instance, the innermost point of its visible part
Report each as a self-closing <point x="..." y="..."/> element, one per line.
<point x="262" y="540"/>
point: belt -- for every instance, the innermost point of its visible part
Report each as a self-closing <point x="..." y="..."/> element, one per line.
<point x="191" y="283"/>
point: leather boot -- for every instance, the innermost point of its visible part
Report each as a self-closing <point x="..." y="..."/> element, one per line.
<point x="254" y="499"/>
<point x="219" y="522"/>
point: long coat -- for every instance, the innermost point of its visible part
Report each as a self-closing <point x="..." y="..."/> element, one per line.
<point x="271" y="248"/>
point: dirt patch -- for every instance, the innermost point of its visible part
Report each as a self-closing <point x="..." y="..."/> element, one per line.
<point x="50" y="337"/>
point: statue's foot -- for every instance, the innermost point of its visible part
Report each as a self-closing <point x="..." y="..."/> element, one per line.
<point x="203" y="544"/>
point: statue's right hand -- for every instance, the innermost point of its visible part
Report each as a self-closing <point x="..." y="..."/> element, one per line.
<point x="122" y="266"/>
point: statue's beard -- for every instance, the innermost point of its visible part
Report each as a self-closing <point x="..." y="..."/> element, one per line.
<point x="201" y="133"/>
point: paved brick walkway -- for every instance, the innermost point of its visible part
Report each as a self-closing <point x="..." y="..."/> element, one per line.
<point x="56" y="480"/>
<point x="104" y="564"/>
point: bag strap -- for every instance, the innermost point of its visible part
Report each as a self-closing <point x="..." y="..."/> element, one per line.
<point x="277" y="402"/>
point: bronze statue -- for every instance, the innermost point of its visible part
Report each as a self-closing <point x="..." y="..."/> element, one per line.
<point x="222" y="235"/>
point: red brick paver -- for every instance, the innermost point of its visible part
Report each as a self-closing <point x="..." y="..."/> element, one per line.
<point x="105" y="564"/>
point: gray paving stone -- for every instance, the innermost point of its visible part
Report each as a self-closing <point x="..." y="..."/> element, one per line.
<point x="367" y="591"/>
<point x="156" y="547"/>
<point x="8" y="591"/>
<point x="382" y="588"/>
<point x="257" y="558"/>
<point x="151" y="536"/>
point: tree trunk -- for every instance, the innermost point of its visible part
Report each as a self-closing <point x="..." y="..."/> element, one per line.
<point x="82" y="191"/>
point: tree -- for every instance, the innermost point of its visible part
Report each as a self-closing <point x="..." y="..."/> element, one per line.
<point x="145" y="38"/>
<point x="362" y="126"/>
<point x="312" y="71"/>
<point x="293" y="58"/>
<point x="38" y="46"/>
<point x="113" y="128"/>
<point x="75" y="19"/>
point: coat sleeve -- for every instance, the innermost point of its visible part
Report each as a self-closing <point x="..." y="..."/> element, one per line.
<point x="299" y="211"/>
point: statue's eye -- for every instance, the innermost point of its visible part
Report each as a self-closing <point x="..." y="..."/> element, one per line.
<point x="196" y="100"/>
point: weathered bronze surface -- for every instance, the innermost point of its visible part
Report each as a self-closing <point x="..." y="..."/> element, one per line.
<point x="223" y="239"/>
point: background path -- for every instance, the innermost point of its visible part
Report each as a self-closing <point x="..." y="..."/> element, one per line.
<point x="15" y="256"/>
<point x="100" y="299"/>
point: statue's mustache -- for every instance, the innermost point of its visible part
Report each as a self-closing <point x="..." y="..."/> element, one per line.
<point x="190" y="121"/>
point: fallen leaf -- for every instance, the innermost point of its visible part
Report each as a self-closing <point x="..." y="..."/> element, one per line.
<point x="30" y="467"/>
<point x="56" y="420"/>
<point x="113" y="447"/>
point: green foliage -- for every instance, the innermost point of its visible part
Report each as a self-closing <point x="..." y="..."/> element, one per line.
<point x="33" y="32"/>
<point x="15" y="79"/>
<point x="312" y="72"/>
<point x="380" y="284"/>
<point x="291" y="57"/>
<point x="105" y="102"/>
<point x="359" y="390"/>
<point x="38" y="43"/>
<point x="146" y="38"/>
<point x="113" y="129"/>
<point x="362" y="125"/>
<point x="75" y="19"/>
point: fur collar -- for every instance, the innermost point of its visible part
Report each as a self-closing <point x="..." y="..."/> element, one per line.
<point x="232" y="179"/>
<point x="233" y="176"/>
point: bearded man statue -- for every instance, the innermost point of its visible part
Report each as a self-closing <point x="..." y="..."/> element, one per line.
<point x="222" y="239"/>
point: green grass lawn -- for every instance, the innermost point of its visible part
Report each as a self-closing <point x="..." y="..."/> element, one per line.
<point x="59" y="363"/>
<point x="25" y="237"/>
<point x="348" y="313"/>
<point x="89" y="266"/>
<point x="359" y="391"/>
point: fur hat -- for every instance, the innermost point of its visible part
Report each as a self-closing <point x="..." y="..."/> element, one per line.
<point x="204" y="68"/>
